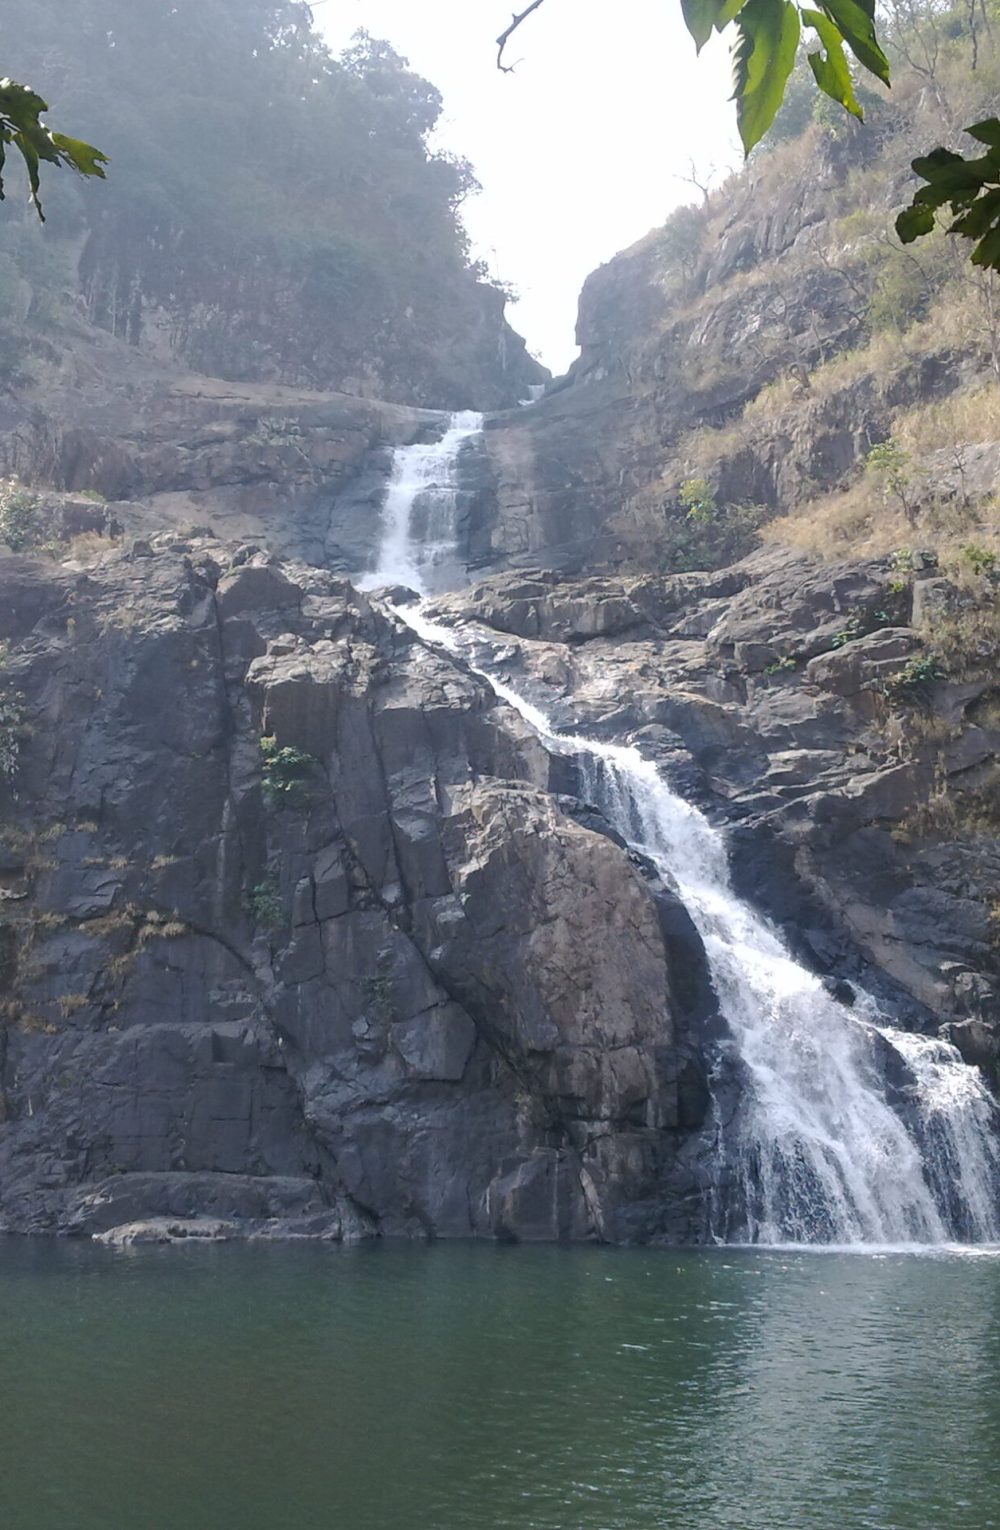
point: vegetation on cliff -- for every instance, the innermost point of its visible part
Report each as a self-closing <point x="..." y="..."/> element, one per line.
<point x="782" y="335"/>
<point x="273" y="212"/>
<point x="768" y="34"/>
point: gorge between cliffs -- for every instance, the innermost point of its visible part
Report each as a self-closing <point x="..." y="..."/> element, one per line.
<point x="443" y="801"/>
<point x="393" y="904"/>
<point x="499" y="871"/>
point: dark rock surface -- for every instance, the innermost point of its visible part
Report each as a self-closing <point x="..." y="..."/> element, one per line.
<point x="398" y="988"/>
<point x="399" y="976"/>
<point x="761" y="691"/>
<point x="165" y="450"/>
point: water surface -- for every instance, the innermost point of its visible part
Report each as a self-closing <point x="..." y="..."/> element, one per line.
<point x="477" y="1388"/>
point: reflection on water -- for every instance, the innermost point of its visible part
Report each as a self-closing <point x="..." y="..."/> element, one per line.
<point x="479" y="1388"/>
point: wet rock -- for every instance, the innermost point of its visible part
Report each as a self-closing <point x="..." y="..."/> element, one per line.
<point x="539" y="1199"/>
<point x="164" y="1230"/>
<point x="976" y="1041"/>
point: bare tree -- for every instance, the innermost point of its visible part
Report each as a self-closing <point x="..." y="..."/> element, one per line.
<point x="508" y="32"/>
<point x="700" y="179"/>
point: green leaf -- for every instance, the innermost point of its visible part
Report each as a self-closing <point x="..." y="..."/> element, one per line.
<point x="700" y="16"/>
<point x="832" y="73"/>
<point x="981" y="216"/>
<point x="855" y="21"/>
<point x="21" y="125"/>
<point x="970" y="187"/>
<point x="82" y="156"/>
<point x="763" y="57"/>
<point x="19" y="103"/>
<point x="987" y="251"/>
<point x="31" y="159"/>
<point x="913" y="222"/>
<point x="987" y="132"/>
<point x="950" y="174"/>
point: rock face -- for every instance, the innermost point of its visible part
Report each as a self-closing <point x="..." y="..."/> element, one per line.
<point x="173" y="450"/>
<point x="766" y="693"/>
<point x="302" y="932"/>
<point x="372" y="976"/>
<point x="254" y="322"/>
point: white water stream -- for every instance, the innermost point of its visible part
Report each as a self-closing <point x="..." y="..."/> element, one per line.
<point x="420" y="513"/>
<point x="811" y="1150"/>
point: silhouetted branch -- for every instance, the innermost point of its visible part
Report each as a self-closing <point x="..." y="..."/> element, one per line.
<point x="506" y="36"/>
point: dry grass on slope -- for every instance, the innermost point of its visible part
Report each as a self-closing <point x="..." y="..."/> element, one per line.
<point x="859" y="523"/>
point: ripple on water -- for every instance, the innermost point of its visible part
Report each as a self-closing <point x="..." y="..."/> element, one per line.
<point x="472" y="1388"/>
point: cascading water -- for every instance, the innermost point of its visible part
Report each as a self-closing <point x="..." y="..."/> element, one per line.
<point x="818" y="1147"/>
<point x="818" y="1152"/>
<point x="419" y="517"/>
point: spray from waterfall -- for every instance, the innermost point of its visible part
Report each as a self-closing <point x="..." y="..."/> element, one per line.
<point x="817" y="1148"/>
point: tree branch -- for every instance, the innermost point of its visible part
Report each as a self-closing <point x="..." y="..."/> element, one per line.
<point x="506" y="35"/>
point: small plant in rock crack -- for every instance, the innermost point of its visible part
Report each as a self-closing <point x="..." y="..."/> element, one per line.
<point x="274" y="431"/>
<point x="376" y="990"/>
<point x="18" y="518"/>
<point x="264" y="904"/>
<point x="782" y="666"/>
<point x="861" y="624"/>
<point x="285" y="773"/>
<point x="12" y="729"/>
<point x="981" y="560"/>
<point x="912" y="685"/>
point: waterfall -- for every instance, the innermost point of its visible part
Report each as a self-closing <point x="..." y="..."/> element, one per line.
<point x="420" y="514"/>
<point x="843" y="1129"/>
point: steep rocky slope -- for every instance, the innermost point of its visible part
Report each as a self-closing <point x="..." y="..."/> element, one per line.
<point x="156" y="448"/>
<point x="275" y="214"/>
<point x="744" y="359"/>
<point x="301" y="930"/>
<point x="785" y="698"/>
<point x="296" y="937"/>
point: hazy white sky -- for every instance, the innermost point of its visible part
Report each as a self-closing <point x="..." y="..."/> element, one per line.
<point x="578" y="151"/>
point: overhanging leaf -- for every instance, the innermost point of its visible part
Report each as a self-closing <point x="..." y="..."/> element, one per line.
<point x="701" y="16"/>
<point x="913" y="222"/>
<point x="981" y="216"/>
<point x="855" y="21"/>
<point x="82" y="156"/>
<point x="30" y="156"/>
<point x="768" y="36"/>
<point x="21" y="124"/>
<point x="987" y="132"/>
<point x="987" y="251"/>
<point x="831" y="71"/>
<point x="951" y="175"/>
<point x="970" y="187"/>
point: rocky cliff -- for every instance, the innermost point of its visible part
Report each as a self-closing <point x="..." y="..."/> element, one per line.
<point x="302" y="931"/>
<point x="276" y="214"/>
<point x="296" y="936"/>
<point x="795" y="701"/>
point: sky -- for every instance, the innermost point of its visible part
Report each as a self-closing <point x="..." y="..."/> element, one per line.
<point x="581" y="150"/>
